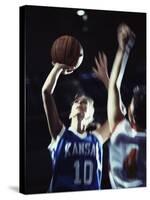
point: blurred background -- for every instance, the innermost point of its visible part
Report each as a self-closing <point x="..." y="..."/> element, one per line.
<point x="96" y="31"/>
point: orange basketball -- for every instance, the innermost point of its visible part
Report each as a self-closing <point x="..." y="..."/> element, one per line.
<point x="67" y="50"/>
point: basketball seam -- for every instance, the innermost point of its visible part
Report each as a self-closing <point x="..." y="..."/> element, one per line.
<point x="75" y="51"/>
<point x="66" y="47"/>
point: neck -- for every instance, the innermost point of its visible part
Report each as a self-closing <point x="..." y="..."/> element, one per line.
<point x="77" y="124"/>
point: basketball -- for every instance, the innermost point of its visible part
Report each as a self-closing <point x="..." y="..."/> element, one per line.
<point x="67" y="50"/>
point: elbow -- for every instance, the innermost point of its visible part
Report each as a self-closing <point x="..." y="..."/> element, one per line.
<point x="45" y="92"/>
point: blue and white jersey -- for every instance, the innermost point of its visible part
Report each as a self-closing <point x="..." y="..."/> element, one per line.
<point x="122" y="141"/>
<point x="77" y="161"/>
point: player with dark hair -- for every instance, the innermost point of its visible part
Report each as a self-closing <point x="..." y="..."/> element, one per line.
<point x="139" y="102"/>
<point x="128" y="139"/>
<point x="76" y="153"/>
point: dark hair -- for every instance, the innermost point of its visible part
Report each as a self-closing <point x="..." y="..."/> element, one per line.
<point x="91" y="127"/>
<point x="139" y="96"/>
<point x="79" y="94"/>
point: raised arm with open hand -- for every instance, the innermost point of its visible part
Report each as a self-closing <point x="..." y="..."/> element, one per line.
<point x="115" y="114"/>
<point x="54" y="123"/>
<point x="101" y="71"/>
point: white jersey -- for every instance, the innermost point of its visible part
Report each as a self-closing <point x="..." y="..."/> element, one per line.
<point x="122" y="141"/>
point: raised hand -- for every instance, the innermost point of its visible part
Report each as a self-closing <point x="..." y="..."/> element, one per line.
<point x="64" y="68"/>
<point x="101" y="71"/>
<point x="124" y="33"/>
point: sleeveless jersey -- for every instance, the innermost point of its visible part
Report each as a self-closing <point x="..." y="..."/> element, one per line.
<point x="122" y="141"/>
<point x="77" y="162"/>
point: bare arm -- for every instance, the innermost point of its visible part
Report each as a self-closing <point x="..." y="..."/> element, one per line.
<point x="53" y="120"/>
<point x="101" y="73"/>
<point x="115" y="113"/>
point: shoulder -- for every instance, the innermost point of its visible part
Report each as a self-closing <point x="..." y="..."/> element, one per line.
<point x="54" y="142"/>
<point x="123" y="125"/>
<point x="122" y="131"/>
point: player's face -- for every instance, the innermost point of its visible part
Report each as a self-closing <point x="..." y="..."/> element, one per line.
<point x="79" y="107"/>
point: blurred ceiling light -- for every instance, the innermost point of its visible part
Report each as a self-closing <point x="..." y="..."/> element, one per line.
<point x="80" y="12"/>
<point x="85" y="17"/>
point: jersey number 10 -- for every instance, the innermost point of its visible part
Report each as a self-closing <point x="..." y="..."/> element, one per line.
<point x="87" y="172"/>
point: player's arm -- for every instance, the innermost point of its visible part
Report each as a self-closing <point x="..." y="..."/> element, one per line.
<point x="101" y="72"/>
<point x="115" y="113"/>
<point x="101" y="69"/>
<point x="54" y="123"/>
